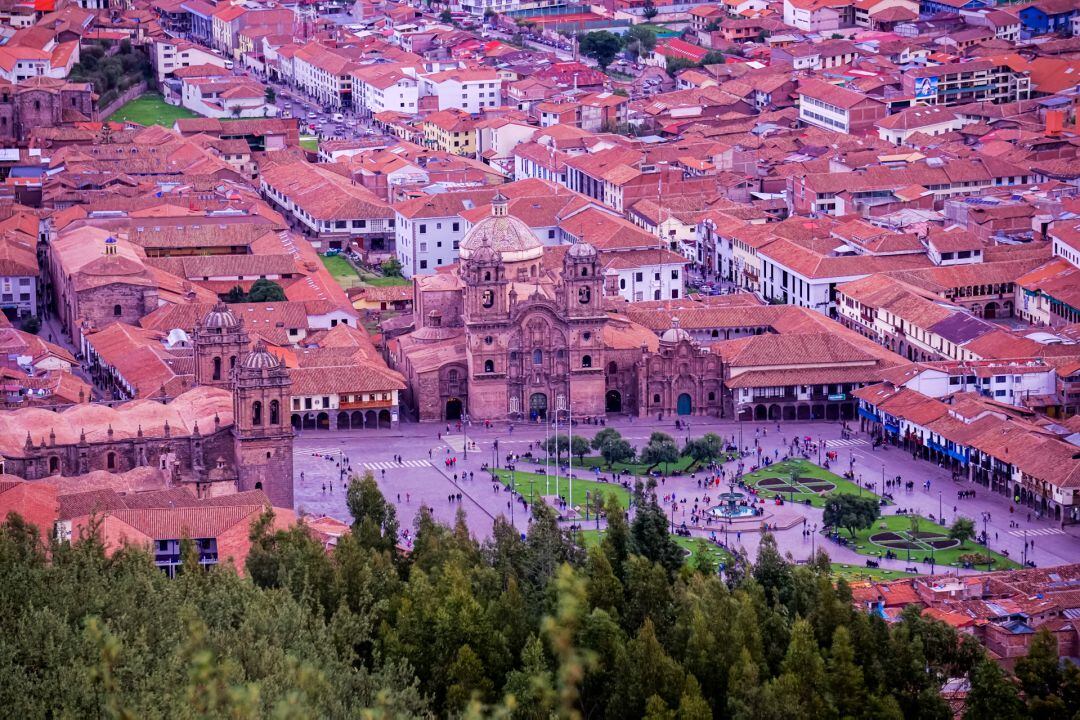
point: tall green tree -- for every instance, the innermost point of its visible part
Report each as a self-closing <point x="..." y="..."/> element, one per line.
<point x="850" y="512"/>
<point x="601" y="45"/>
<point x="263" y="290"/>
<point x="992" y="696"/>
<point x="661" y="449"/>
<point x="375" y="522"/>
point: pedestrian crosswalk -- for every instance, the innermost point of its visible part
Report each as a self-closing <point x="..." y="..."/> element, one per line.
<point x="854" y="442"/>
<point x="1037" y="531"/>
<point x="390" y="465"/>
<point x="456" y="442"/>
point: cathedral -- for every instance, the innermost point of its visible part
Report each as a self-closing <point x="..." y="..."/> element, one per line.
<point x="229" y="434"/>
<point x="519" y="331"/>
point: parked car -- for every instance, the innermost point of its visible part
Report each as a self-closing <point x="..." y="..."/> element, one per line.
<point x="339" y="118"/>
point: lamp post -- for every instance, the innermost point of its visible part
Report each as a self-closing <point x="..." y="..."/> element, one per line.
<point x="513" y="499"/>
<point x="465" y="434"/>
<point x="1025" y="547"/>
<point x="941" y="518"/>
<point x="882" y="480"/>
<point x="986" y="539"/>
<point x="587" y="504"/>
<point x="495" y="454"/>
<point x="813" y="542"/>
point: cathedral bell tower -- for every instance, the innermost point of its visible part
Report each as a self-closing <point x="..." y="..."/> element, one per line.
<point x="220" y="339"/>
<point x="262" y="435"/>
<point x="582" y="284"/>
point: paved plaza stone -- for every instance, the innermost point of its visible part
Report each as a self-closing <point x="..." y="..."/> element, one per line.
<point x="423" y="477"/>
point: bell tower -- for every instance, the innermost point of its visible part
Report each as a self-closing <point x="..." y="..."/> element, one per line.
<point x="220" y="340"/>
<point x="582" y="284"/>
<point x="262" y="435"/>
<point x="485" y="286"/>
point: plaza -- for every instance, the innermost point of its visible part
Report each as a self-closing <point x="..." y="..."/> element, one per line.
<point x="424" y="477"/>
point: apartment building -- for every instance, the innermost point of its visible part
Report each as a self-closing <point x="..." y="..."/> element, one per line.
<point x="970" y="81"/>
<point x="468" y="90"/>
<point x="325" y="74"/>
<point x="838" y="109"/>
<point x="385" y="88"/>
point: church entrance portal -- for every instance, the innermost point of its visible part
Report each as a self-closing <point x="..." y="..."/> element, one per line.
<point x="453" y="409"/>
<point x="685" y="405"/>
<point x="613" y="402"/>
<point x="538" y="406"/>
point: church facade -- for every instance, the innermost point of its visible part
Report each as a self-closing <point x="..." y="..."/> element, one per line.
<point x="229" y="434"/>
<point x="518" y="331"/>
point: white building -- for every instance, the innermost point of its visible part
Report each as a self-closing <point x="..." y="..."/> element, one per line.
<point x="381" y="88"/>
<point x="171" y="54"/>
<point x="468" y="90"/>
<point x="639" y="275"/>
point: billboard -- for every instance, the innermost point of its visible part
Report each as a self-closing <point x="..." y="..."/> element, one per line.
<point x="926" y="87"/>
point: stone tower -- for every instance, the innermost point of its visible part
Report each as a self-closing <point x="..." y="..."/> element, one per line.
<point x="220" y="340"/>
<point x="262" y="435"/>
<point x="582" y="304"/>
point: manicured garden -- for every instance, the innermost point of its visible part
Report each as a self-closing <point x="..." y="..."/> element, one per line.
<point x="924" y="539"/>
<point x="151" y="110"/>
<point x="660" y="455"/>
<point x="341" y="270"/>
<point x="857" y="573"/>
<point x="811" y="482"/>
<point x="534" y="486"/>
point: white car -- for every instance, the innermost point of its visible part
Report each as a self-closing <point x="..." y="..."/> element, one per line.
<point x="338" y="117"/>
<point x="312" y="116"/>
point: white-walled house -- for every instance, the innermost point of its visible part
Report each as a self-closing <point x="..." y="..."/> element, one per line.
<point x="468" y="90"/>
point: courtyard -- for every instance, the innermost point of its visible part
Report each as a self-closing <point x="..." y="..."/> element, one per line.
<point x="151" y="110"/>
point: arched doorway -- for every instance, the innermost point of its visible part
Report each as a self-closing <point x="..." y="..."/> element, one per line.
<point x="803" y="412"/>
<point x="453" y="409"/>
<point x="760" y="412"/>
<point x="309" y="421"/>
<point x="613" y="401"/>
<point x="832" y="412"/>
<point x="384" y="419"/>
<point x="371" y="419"/>
<point x="774" y="412"/>
<point x="356" y="420"/>
<point x="343" y="421"/>
<point x="990" y="311"/>
<point x="538" y="406"/>
<point x="322" y="421"/>
<point x="296" y="421"/>
<point x="684" y="405"/>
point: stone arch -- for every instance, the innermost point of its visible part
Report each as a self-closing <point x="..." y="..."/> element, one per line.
<point x="343" y="420"/>
<point x="322" y="421"/>
<point x="802" y="412"/>
<point x="384" y="419"/>
<point x="356" y="419"/>
<point x="990" y="312"/>
<point x="613" y="401"/>
<point x="453" y="410"/>
<point x="832" y="412"/>
<point x="774" y="412"/>
<point x="371" y="419"/>
<point x="789" y="412"/>
<point x="761" y="412"/>
<point x="296" y="421"/>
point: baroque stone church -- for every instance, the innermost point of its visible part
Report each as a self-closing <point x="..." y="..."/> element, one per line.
<point x="518" y="331"/>
<point x="229" y="434"/>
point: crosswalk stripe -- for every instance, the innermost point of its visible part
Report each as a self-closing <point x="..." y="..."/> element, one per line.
<point x="389" y="465"/>
<point x="1037" y="531"/>
<point x="829" y="444"/>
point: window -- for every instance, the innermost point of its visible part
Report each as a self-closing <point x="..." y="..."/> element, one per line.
<point x="110" y="461"/>
<point x="656" y="399"/>
<point x="275" y="412"/>
<point x="217" y="368"/>
<point x="489" y="366"/>
<point x="423" y="228"/>
<point x="488" y="340"/>
<point x="674" y="274"/>
<point x="256" y="413"/>
<point x="325" y="401"/>
<point x="712" y="396"/>
<point x="638" y="277"/>
<point x="117" y="311"/>
<point x="586" y="336"/>
<point x="586" y="361"/>
<point x="488" y="299"/>
<point x="423" y="264"/>
<point x="538" y="357"/>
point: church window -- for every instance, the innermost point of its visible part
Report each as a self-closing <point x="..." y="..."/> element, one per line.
<point x="538" y="357"/>
<point x="487" y="276"/>
<point x="256" y="413"/>
<point x="452" y="376"/>
<point x="488" y="299"/>
<point x="117" y="311"/>
<point x="275" y="412"/>
<point x="217" y="368"/>
<point x="586" y="361"/>
<point x="232" y="362"/>
<point x="488" y="340"/>
<point x="489" y="366"/>
<point x="656" y="399"/>
<point x="586" y="336"/>
<point x="712" y="396"/>
<point x="584" y="272"/>
<point x="110" y="461"/>
<point x="583" y="295"/>
<point x="37" y="104"/>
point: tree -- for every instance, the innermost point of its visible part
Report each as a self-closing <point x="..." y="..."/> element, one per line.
<point x="579" y="446"/>
<point x="270" y="95"/>
<point x="32" y="325"/>
<point x="851" y="512"/>
<point x="235" y="111"/>
<point x="962" y="530"/>
<point x="649" y="536"/>
<point x="556" y="445"/>
<point x="705" y="449"/>
<point x="263" y="290"/>
<point x="617" y="451"/>
<point x="375" y="522"/>
<point x="391" y="267"/>
<point x="649" y="10"/>
<point x="675" y="65"/>
<point x="641" y="39"/>
<point x="601" y="45"/>
<point x="446" y="16"/>
<point x="604" y="436"/>
<point x="992" y="696"/>
<point x="236" y="295"/>
<point x="661" y="448"/>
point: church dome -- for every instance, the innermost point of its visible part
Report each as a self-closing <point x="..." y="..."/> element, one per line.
<point x="220" y="317"/>
<point x="260" y="359"/>
<point x="675" y="333"/>
<point x="581" y="251"/>
<point x="508" y="236"/>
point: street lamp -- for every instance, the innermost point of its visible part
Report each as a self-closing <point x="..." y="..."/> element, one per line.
<point x="465" y="434"/>
<point x="986" y="540"/>
<point x="1025" y="547"/>
<point x="586" y="504"/>
<point x="813" y="542"/>
<point x="941" y="517"/>
<point x="882" y="480"/>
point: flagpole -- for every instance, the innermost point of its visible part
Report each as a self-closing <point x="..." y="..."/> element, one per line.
<point x="556" y="436"/>
<point x="569" y="445"/>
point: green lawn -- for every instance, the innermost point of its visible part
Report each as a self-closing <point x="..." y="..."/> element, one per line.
<point x="854" y="573"/>
<point x="309" y="142"/>
<point x="151" y="110"/>
<point x="806" y="471"/>
<point x="341" y="270"/>
<point x="900" y="527"/>
<point x="383" y="281"/>
<point x="690" y="544"/>
<point x="534" y="486"/>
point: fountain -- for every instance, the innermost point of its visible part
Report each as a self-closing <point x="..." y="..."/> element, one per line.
<point x="731" y="506"/>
